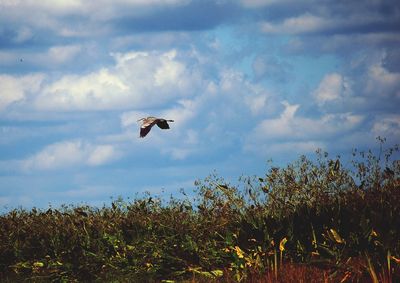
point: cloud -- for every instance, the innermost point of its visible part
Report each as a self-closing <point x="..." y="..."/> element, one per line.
<point x="387" y="126"/>
<point x="101" y="154"/>
<point x="184" y="112"/>
<point x="137" y="80"/>
<point x="316" y="27"/>
<point x="293" y="127"/>
<point x="332" y="87"/>
<point x="84" y="19"/>
<point x="293" y="134"/>
<point x="69" y="154"/>
<point x="257" y="104"/>
<point x="306" y="23"/>
<point x="217" y="114"/>
<point x="63" y="53"/>
<point x="381" y="82"/>
<point x="16" y="88"/>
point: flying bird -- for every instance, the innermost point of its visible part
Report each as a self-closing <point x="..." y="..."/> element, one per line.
<point x="149" y="122"/>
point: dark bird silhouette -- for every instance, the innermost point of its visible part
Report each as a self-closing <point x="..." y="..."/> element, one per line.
<point x="149" y="122"/>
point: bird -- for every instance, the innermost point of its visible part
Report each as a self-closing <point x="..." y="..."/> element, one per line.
<point x="149" y="122"/>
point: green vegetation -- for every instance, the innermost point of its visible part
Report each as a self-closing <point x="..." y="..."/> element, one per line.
<point x="315" y="221"/>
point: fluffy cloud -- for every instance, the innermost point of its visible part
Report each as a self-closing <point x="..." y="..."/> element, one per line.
<point x="70" y="153"/>
<point x="137" y="80"/>
<point x="218" y="114"/>
<point x="293" y="134"/>
<point x="291" y="126"/>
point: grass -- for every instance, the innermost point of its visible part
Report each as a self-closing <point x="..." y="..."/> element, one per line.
<point x="311" y="221"/>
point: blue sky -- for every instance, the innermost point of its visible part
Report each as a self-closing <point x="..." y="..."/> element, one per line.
<point x="244" y="80"/>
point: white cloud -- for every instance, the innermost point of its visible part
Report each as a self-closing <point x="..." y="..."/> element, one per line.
<point x="304" y="23"/>
<point x="183" y="113"/>
<point x="98" y="90"/>
<point x="138" y="79"/>
<point x="257" y="103"/>
<point x="62" y="53"/>
<point x="381" y="82"/>
<point x="291" y="133"/>
<point x="387" y="126"/>
<point x="70" y="153"/>
<point x="332" y="87"/>
<point x="15" y="89"/>
<point x="290" y="126"/>
<point x="212" y="116"/>
<point x="101" y="154"/>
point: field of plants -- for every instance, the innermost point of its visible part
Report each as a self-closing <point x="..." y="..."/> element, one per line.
<point x="316" y="220"/>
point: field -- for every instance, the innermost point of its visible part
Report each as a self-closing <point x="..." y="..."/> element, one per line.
<point x="319" y="220"/>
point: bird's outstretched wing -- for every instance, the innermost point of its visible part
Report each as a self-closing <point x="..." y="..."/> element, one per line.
<point x="146" y="127"/>
<point x="144" y="131"/>
<point x="162" y="124"/>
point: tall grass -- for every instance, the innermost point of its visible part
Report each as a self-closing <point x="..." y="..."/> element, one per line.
<point x="311" y="221"/>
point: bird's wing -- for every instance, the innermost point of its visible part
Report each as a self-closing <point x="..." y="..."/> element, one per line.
<point x="146" y="127"/>
<point x="162" y="124"/>
<point x="144" y="130"/>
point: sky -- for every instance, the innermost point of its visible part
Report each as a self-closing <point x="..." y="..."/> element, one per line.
<point x="246" y="81"/>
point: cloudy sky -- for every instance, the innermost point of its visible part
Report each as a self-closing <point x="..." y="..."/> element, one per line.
<point x="244" y="80"/>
